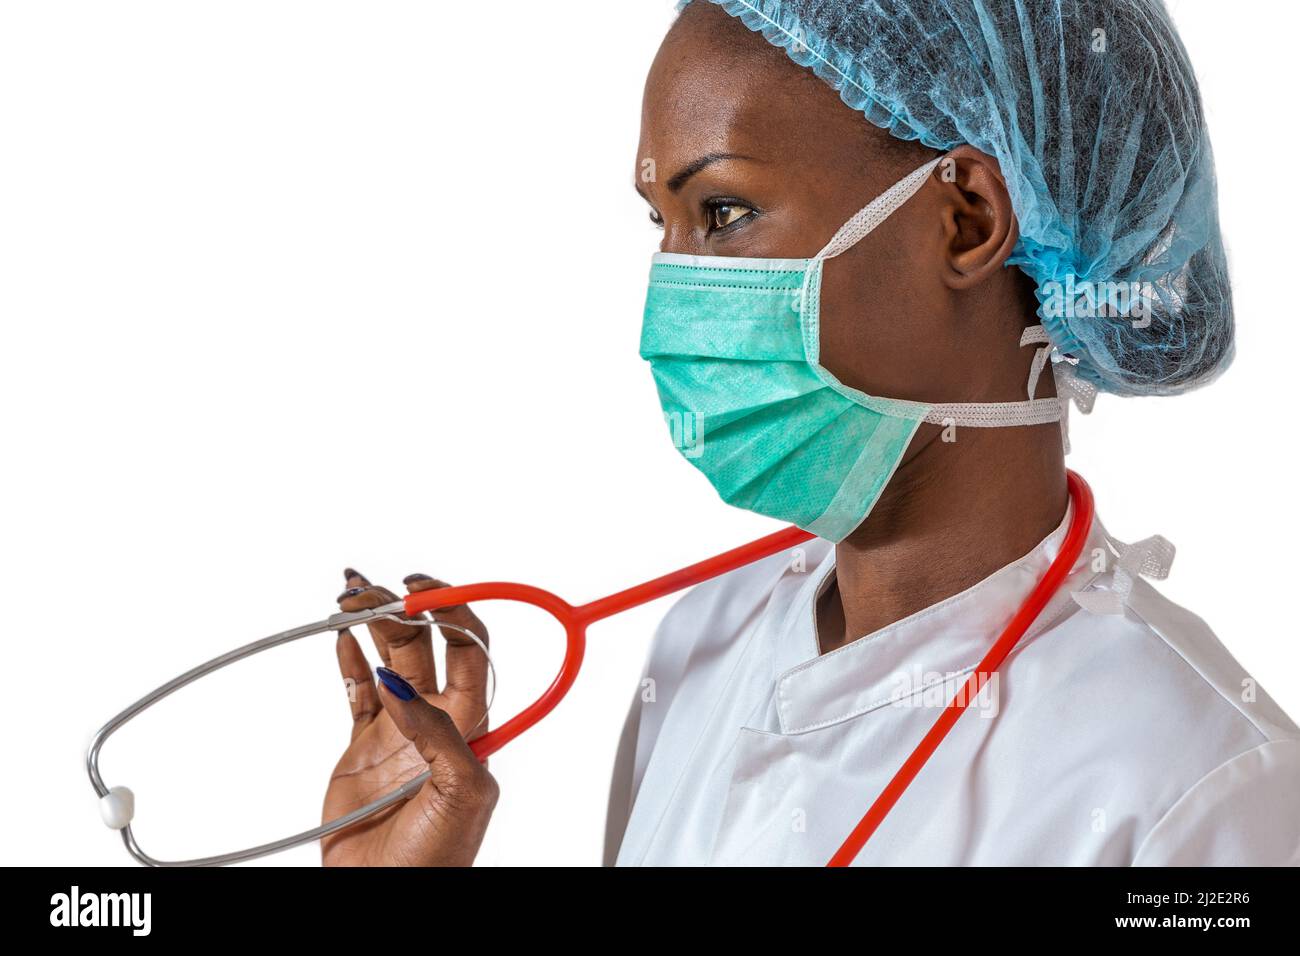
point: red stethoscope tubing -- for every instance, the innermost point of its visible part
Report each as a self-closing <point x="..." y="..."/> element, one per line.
<point x="575" y="620"/>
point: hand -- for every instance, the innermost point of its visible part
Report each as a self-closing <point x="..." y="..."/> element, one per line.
<point x="395" y="740"/>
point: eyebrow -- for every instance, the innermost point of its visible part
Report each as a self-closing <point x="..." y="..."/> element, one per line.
<point x="678" y="181"/>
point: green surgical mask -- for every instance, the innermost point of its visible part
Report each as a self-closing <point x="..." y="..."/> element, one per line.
<point x="733" y="344"/>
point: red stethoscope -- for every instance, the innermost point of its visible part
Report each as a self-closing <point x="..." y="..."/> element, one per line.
<point x="577" y="619"/>
<point x="117" y="803"/>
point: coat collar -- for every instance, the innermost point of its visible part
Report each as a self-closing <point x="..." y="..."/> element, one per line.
<point x="929" y="651"/>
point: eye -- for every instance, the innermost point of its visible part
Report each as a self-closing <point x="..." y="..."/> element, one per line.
<point x="657" y="219"/>
<point x="725" y="213"/>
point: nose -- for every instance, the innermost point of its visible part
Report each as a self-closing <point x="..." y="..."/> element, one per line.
<point x="680" y="237"/>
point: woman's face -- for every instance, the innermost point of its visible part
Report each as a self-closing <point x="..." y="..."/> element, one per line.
<point x="745" y="153"/>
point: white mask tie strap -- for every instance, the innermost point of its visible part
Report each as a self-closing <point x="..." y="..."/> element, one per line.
<point x="1149" y="558"/>
<point x="1070" y="387"/>
<point x="1036" y="335"/>
<point x="877" y="211"/>
<point x="1035" y="411"/>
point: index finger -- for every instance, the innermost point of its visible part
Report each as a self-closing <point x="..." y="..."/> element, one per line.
<point x="406" y="648"/>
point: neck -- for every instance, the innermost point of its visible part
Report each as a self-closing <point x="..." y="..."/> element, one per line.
<point x="953" y="513"/>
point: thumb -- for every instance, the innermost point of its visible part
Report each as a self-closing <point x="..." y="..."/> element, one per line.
<point x="455" y="772"/>
<point x="443" y="825"/>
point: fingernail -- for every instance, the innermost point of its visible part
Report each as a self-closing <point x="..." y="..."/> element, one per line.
<point x="349" y="573"/>
<point x="350" y="592"/>
<point x="412" y="578"/>
<point x="396" y="684"/>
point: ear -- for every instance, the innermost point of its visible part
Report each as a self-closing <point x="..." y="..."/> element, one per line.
<point x="980" y="227"/>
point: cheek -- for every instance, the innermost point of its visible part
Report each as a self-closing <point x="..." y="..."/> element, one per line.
<point x="882" y="328"/>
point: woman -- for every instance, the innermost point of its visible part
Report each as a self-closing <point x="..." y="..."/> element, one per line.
<point x="876" y="376"/>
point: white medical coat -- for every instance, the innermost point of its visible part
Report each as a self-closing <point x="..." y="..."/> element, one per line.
<point x="1107" y="739"/>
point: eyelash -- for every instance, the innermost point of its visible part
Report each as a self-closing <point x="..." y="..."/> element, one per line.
<point x="711" y="207"/>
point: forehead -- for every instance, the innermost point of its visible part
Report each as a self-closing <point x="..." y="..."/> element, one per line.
<point x="716" y="86"/>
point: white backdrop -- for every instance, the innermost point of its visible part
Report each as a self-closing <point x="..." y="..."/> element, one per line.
<point x="287" y="286"/>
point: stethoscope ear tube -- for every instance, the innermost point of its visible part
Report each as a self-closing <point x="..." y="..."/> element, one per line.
<point x="117" y="804"/>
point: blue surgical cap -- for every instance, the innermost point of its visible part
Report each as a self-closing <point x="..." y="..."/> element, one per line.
<point x="1093" y="112"/>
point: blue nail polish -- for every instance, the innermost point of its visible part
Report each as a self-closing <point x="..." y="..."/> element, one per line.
<point x="396" y="684"/>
